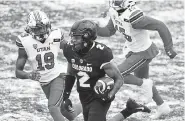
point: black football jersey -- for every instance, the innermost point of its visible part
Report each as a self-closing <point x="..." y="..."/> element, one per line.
<point x="88" y="68"/>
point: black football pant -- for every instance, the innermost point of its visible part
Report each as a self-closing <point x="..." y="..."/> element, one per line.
<point x="95" y="110"/>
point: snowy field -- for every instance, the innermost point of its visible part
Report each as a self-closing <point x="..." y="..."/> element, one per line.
<point x="23" y="100"/>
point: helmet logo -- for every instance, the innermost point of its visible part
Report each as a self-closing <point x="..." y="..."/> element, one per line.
<point x="81" y="60"/>
<point x="35" y="46"/>
<point x="86" y="35"/>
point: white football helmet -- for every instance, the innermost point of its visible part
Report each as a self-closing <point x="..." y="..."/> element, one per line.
<point x="121" y="4"/>
<point x="38" y="25"/>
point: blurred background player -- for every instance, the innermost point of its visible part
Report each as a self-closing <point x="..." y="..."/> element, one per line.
<point x="129" y="20"/>
<point x="40" y="46"/>
<point x="88" y="61"/>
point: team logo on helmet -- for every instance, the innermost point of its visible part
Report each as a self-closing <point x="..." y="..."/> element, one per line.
<point x="72" y="60"/>
<point x="35" y="46"/>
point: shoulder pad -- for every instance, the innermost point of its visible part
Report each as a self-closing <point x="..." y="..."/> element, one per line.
<point x="135" y="15"/>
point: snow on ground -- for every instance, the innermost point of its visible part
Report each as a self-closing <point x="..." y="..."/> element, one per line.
<point x="23" y="100"/>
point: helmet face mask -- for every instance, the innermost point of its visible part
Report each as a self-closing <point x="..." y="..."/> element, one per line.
<point x="77" y="42"/>
<point x="38" y="25"/>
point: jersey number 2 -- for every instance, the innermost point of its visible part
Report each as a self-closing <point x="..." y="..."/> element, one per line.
<point x="83" y="79"/>
<point x="48" y="59"/>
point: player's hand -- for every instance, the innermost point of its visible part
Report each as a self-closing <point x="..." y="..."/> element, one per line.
<point x="34" y="75"/>
<point x="171" y="53"/>
<point x="107" y="97"/>
<point x="68" y="105"/>
<point x="112" y="12"/>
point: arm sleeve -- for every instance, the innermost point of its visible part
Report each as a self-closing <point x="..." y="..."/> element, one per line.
<point x="66" y="51"/>
<point x="149" y="23"/>
<point x="107" y="57"/>
<point x="19" y="43"/>
<point x="107" y="30"/>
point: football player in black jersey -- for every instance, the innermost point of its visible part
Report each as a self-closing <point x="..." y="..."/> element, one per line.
<point x="87" y="62"/>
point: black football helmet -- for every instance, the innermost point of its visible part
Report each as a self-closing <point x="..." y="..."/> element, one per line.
<point x="83" y="33"/>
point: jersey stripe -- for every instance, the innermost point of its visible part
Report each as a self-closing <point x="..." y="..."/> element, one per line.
<point x="136" y="17"/>
<point x="134" y="67"/>
<point x="18" y="43"/>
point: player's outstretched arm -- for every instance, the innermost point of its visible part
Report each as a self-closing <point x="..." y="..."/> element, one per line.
<point x="113" y="72"/>
<point x="69" y="110"/>
<point x="69" y="82"/>
<point x="149" y="23"/>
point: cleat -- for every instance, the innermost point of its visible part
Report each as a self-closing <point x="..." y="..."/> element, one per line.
<point x="163" y="109"/>
<point x="134" y="107"/>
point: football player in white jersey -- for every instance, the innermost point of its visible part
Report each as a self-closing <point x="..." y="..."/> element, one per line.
<point x="129" y="20"/>
<point x="40" y="46"/>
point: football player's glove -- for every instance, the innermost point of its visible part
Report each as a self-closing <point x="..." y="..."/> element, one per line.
<point x="102" y="88"/>
<point x="34" y="75"/>
<point x="171" y="53"/>
<point x="67" y="104"/>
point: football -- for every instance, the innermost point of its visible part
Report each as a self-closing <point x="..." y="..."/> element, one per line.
<point x="104" y="85"/>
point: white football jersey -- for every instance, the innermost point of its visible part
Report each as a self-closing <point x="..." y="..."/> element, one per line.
<point x="43" y="56"/>
<point x="137" y="39"/>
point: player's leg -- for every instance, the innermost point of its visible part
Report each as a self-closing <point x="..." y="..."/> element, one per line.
<point x="163" y="107"/>
<point x="131" y="64"/>
<point x="98" y="110"/>
<point x="55" y="96"/>
<point x="69" y="110"/>
<point x="143" y="72"/>
<point x="85" y="108"/>
<point x="131" y="107"/>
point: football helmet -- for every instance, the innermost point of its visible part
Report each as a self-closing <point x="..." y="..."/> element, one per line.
<point x="121" y="4"/>
<point x="83" y="33"/>
<point x="38" y="25"/>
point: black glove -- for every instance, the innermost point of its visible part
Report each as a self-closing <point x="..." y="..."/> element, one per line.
<point x="105" y="97"/>
<point x="171" y="53"/>
<point x="68" y="105"/>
